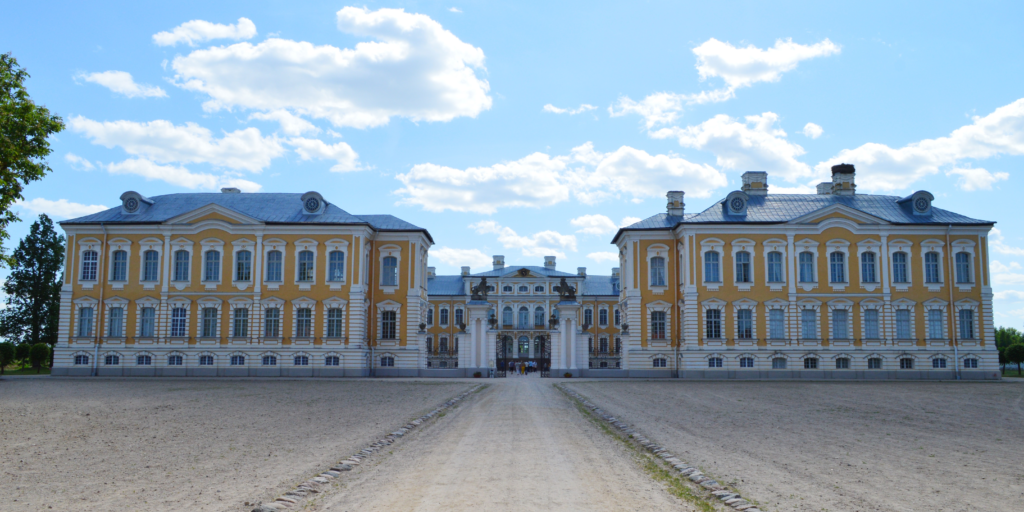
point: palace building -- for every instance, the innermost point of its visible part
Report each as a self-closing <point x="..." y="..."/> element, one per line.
<point x="834" y="285"/>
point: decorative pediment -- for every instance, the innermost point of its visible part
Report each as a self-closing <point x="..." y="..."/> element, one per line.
<point x="840" y="213"/>
<point x="523" y="273"/>
<point x="213" y="213"/>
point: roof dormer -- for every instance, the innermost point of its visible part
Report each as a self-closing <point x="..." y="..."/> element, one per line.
<point x="313" y="203"/>
<point x="133" y="202"/>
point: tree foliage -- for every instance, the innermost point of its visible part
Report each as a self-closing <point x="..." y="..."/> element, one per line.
<point x="38" y="356"/>
<point x="1015" y="355"/>
<point x="1006" y="336"/>
<point x="24" y="131"/>
<point x="6" y="355"/>
<point x="21" y="353"/>
<point x="33" y="286"/>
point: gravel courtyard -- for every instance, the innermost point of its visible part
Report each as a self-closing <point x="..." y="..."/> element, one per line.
<point x="176" y="444"/>
<point x="839" y="446"/>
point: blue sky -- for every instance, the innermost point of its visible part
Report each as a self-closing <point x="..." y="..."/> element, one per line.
<point x="527" y="129"/>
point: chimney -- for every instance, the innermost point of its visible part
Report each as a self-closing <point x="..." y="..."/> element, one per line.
<point x="549" y="262"/>
<point x="465" y="271"/>
<point x="755" y="183"/>
<point x="581" y="271"/>
<point x="230" y="190"/>
<point x="615" y="271"/>
<point x="675" y="202"/>
<point x="825" y="188"/>
<point x="842" y="180"/>
<point x="430" y="272"/>
<point x="499" y="262"/>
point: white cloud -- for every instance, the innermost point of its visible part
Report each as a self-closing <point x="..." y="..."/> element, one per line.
<point x="78" y="163"/>
<point x="628" y="221"/>
<point x="975" y="178"/>
<point x="1007" y="279"/>
<point x="454" y="9"/>
<point x="812" y="130"/>
<point x="997" y="266"/>
<point x="1010" y="295"/>
<point x="164" y="142"/>
<point x="309" y="149"/>
<point x="540" y="180"/>
<point x="473" y="258"/>
<point x="882" y="168"/>
<point x="594" y="224"/>
<point x="414" y="68"/>
<point x="122" y="82"/>
<point x="584" y="107"/>
<point x="291" y="124"/>
<point x="180" y="176"/>
<point x="600" y="256"/>
<point x="799" y="189"/>
<point x="544" y="243"/>
<point x="742" y="67"/>
<point x="665" y="107"/>
<point x="756" y="143"/>
<point x="198" y="31"/>
<point x="61" y="208"/>
<point x="998" y="244"/>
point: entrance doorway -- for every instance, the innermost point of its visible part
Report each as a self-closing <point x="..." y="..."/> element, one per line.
<point x="526" y="352"/>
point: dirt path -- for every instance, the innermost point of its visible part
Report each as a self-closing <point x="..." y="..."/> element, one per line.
<point x="520" y="446"/>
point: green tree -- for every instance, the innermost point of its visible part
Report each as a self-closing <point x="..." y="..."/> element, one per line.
<point x="1006" y="336"/>
<point x="6" y="355"/>
<point x="24" y="130"/>
<point x="1015" y="355"/>
<point x="21" y="351"/>
<point x="33" y="286"/>
<point x="38" y="355"/>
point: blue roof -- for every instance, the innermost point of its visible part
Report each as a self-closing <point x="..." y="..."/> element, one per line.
<point x="445" y="285"/>
<point x="513" y="269"/>
<point x="270" y="208"/>
<point x="781" y="208"/>
<point x="601" y="285"/>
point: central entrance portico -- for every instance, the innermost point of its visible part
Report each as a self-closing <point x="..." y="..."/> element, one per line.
<point x="531" y="347"/>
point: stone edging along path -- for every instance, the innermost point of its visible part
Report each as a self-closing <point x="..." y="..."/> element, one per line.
<point x="314" y="485"/>
<point x="718" y="490"/>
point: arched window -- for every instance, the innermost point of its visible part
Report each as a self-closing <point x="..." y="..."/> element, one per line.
<point x="274" y="266"/>
<point x="658" y="271"/>
<point x="538" y="317"/>
<point x="243" y="266"/>
<point x="301" y="360"/>
<point x="778" y="363"/>
<point x="336" y="266"/>
<point x="524" y="289"/>
<point x="963" y="268"/>
<point x="175" y="360"/>
<point x="524" y="318"/>
<point x="506" y="316"/>
<point x="539" y="288"/>
<point x="743" y="267"/>
<point x="507" y="288"/>
<point x="524" y="345"/>
<point x="775" y="267"/>
<point x="868" y="270"/>
<point x="150" y="266"/>
<point x="458" y="317"/>
<point x="120" y="270"/>
<point x="389" y="275"/>
<point x="211" y="270"/>
<point x="306" y="266"/>
<point x="181" y="265"/>
<point x="931" y="268"/>
<point x="806" y="267"/>
<point x="89" y="261"/>
<point x="837" y="267"/>
<point x="899" y="268"/>
<point x="711" y="269"/>
<point x="332" y="361"/>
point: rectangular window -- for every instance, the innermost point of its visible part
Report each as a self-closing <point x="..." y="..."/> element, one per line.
<point x="658" y="271"/>
<point x="743" y="267"/>
<point x="970" y="362"/>
<point x="272" y="323"/>
<point x="444" y="316"/>
<point x="745" y="324"/>
<point x="715" y="362"/>
<point x="334" y="318"/>
<point x="602" y="317"/>
<point x="175" y="360"/>
<point x="903" y="324"/>
<point x="306" y="265"/>
<point x="269" y="360"/>
<point x="935" y="324"/>
<point x="899" y="268"/>
<point x="114" y="326"/>
<point x="713" y="323"/>
<point x="875" y="363"/>
<point x="778" y="363"/>
<point x="243" y="266"/>
<point x="931" y="268"/>
<point x="811" y="363"/>
<point x="178" y="318"/>
<point x="711" y="273"/>
<point x="241" y="322"/>
<point x="120" y="270"/>
<point x="660" y="362"/>
<point x="274" y="259"/>
<point x="459" y="318"/>
<point x="210" y="322"/>
<point x="806" y="267"/>
<point x="938" y="363"/>
<point x="809" y="324"/>
<point x="336" y="266"/>
<point x="588" y="316"/>
<point x="112" y="360"/>
<point x="430" y="316"/>
<point x="777" y="324"/>
<point x="85" y="322"/>
<point x="746" y="362"/>
<point x="389" y="271"/>
<point x="657" y="325"/>
<point x="181" y="266"/>
<point x="867" y="268"/>
<point x="205" y="360"/>
<point x="332" y="361"/>
<point x="966" y="324"/>
<point x="90" y="260"/>
<point x="389" y="325"/>
<point x="963" y="268"/>
<point x="842" y="363"/>
<point x="618" y="317"/>
<point x="837" y="267"/>
<point x="906" y="363"/>
<point x="304" y="323"/>
<point x="871" y="324"/>
<point x="151" y="266"/>
<point x="840" y="324"/>
<point x="237" y="360"/>
<point x="538" y="317"/>
<point x="211" y="269"/>
<point x="148" y="327"/>
<point x="387" y="361"/>
<point x="144" y="360"/>
<point x="775" y="267"/>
